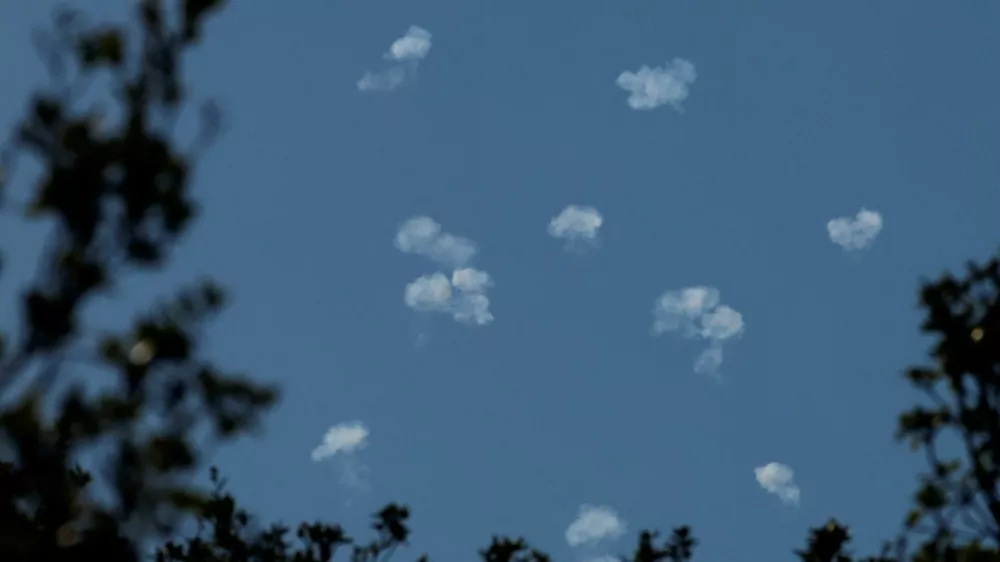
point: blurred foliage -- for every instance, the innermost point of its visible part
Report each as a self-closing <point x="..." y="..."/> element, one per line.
<point x="118" y="199"/>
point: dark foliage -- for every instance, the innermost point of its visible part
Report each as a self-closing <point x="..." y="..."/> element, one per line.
<point x="118" y="199"/>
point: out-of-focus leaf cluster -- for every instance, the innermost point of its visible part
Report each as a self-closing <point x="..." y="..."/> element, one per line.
<point x="117" y="197"/>
<point x="957" y="511"/>
<point x="228" y="532"/>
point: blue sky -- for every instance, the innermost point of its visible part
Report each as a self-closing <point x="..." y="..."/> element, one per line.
<point x="800" y="112"/>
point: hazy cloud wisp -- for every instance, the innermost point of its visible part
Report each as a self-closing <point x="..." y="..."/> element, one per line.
<point x="382" y="81"/>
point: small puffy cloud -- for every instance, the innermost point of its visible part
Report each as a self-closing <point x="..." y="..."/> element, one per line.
<point x="472" y="308"/>
<point x="341" y="443"/>
<point x="428" y="292"/>
<point x="413" y="45"/>
<point x="855" y="233"/>
<point x="698" y="312"/>
<point x="469" y="280"/>
<point x="417" y="234"/>
<point x="594" y="524"/>
<point x="779" y="479"/>
<point x="407" y="51"/>
<point x="576" y="224"/>
<point x="651" y="87"/>
<point x="722" y="324"/>
<point x="344" y="438"/>
<point x="423" y="236"/>
<point x="463" y="297"/>
<point x="463" y="294"/>
<point x="682" y="309"/>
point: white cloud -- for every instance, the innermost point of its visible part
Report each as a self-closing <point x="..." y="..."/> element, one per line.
<point x="355" y="475"/>
<point x="422" y="235"/>
<point x="408" y="51"/>
<point x="857" y="233"/>
<point x="576" y="223"/>
<point x="682" y="309"/>
<point x="698" y="312"/>
<point x="382" y="81"/>
<point x="650" y="88"/>
<point x="722" y="324"/>
<point x="708" y="361"/>
<point x="428" y="292"/>
<point x="472" y="309"/>
<point x="463" y="296"/>
<point x="344" y="438"/>
<point x="779" y="479"/>
<point x="594" y="524"/>
<point x="341" y="443"/>
<point x="417" y="234"/>
<point x="414" y="45"/>
<point x="469" y="280"/>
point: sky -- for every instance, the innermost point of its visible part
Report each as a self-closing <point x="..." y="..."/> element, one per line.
<point x="572" y="270"/>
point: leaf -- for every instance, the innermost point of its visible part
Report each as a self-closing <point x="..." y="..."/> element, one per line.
<point x="152" y="15"/>
<point x="194" y="11"/>
<point x="144" y="251"/>
<point x="47" y="112"/>
<point x="104" y="47"/>
<point x="931" y="496"/>
<point x="913" y="517"/>
<point x="923" y="377"/>
<point x="170" y="452"/>
<point x="213" y="295"/>
<point x="110" y="47"/>
<point x="112" y="350"/>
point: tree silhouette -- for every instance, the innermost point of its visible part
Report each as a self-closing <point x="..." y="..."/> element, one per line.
<point x="115" y="193"/>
